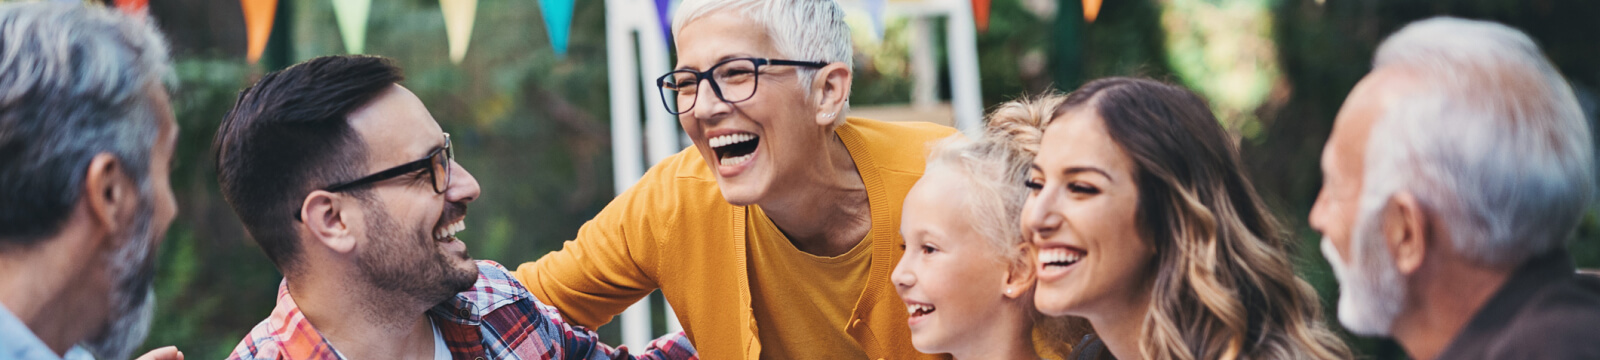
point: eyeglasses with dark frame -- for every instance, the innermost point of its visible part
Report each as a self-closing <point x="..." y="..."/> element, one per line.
<point x="732" y="80"/>
<point x="437" y="164"/>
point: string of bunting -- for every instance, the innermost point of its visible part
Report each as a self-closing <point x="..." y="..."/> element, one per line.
<point x="460" y="15"/>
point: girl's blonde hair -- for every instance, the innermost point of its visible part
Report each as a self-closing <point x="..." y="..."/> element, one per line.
<point x="993" y="168"/>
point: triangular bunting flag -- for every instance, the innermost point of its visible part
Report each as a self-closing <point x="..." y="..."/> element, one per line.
<point x="980" y="14"/>
<point x="352" y="16"/>
<point x="134" y="7"/>
<point x="1091" y="10"/>
<point x="558" y="22"/>
<point x="258" y="16"/>
<point x="663" y="11"/>
<point x="875" y="11"/>
<point x="458" y="19"/>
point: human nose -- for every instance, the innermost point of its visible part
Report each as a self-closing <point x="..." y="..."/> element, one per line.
<point x="708" y="101"/>
<point x="463" y="187"/>
<point x="903" y="277"/>
<point x="1040" y="216"/>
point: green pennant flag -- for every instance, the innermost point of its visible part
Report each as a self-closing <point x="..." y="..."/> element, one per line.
<point x="352" y="16"/>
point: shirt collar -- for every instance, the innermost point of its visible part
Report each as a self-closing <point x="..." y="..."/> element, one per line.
<point x="495" y="288"/>
<point x="19" y="342"/>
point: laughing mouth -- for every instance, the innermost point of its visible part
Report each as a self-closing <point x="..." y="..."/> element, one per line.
<point x="734" y="149"/>
<point x="918" y="309"/>
<point x="1060" y="257"/>
<point x="447" y="233"/>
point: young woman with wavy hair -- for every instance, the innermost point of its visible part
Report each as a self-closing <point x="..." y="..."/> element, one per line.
<point x="1146" y="225"/>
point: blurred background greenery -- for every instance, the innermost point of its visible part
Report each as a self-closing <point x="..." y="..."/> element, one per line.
<point x="532" y="127"/>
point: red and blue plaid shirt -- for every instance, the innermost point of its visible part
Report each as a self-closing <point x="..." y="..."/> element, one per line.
<point x="496" y="319"/>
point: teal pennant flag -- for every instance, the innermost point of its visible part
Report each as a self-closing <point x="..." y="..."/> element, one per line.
<point x="558" y="22"/>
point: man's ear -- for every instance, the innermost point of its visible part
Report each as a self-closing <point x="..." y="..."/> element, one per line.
<point x="831" y="89"/>
<point x="329" y="218"/>
<point x="1405" y="231"/>
<point x="110" y="194"/>
<point x="1019" y="276"/>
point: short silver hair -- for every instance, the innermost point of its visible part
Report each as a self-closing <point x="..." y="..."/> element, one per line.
<point x="805" y="30"/>
<point x="1492" y="140"/>
<point x="75" y="81"/>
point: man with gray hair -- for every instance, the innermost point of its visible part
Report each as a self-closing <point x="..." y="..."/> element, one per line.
<point x="86" y="141"/>
<point x="1456" y="173"/>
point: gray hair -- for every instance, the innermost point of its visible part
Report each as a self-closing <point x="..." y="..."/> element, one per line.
<point x="1493" y="140"/>
<point x="75" y="81"/>
<point x="805" y="30"/>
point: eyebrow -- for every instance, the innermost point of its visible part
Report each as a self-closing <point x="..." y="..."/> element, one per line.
<point x="1079" y="169"/>
<point x="719" y="60"/>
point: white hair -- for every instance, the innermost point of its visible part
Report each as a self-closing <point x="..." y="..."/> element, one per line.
<point x="804" y="30"/>
<point x="1492" y="140"/>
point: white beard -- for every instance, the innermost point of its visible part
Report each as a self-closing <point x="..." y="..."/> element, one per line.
<point x="1371" y="292"/>
<point x="133" y="300"/>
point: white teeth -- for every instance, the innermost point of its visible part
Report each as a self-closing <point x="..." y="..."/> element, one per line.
<point x="450" y="230"/>
<point x="729" y="139"/>
<point x="1059" y="256"/>
<point x="914" y="308"/>
<point x="735" y="160"/>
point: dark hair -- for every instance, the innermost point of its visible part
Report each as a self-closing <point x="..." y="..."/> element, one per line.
<point x="288" y="135"/>
<point x="1225" y="286"/>
<point x="75" y="82"/>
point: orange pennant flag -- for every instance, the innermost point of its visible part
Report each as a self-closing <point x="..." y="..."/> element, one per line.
<point x="980" y="14"/>
<point x="1091" y="10"/>
<point x="258" y="24"/>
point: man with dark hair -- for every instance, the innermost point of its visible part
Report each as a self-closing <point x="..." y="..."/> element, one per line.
<point x="86" y="141"/>
<point x="350" y="187"/>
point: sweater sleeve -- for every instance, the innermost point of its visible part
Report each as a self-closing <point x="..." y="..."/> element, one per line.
<point x="612" y="262"/>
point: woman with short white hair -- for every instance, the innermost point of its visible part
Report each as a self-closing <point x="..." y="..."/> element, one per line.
<point x="774" y="235"/>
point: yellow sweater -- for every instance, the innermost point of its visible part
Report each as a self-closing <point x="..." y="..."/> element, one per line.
<point x="673" y="231"/>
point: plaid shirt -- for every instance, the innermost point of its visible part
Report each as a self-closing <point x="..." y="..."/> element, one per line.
<point x="496" y="319"/>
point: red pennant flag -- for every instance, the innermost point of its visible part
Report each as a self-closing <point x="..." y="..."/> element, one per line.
<point x="258" y="25"/>
<point x="980" y="14"/>
<point x="133" y="7"/>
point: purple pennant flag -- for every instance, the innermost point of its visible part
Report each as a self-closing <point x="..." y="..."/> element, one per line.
<point x="663" y="12"/>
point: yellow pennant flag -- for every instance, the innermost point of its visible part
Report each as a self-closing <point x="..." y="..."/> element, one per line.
<point x="458" y="18"/>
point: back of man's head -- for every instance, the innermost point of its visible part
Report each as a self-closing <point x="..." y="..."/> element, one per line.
<point x="288" y="135"/>
<point x="1490" y="136"/>
<point x="75" y="82"/>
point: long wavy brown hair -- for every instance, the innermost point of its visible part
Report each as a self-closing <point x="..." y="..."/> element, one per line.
<point x="1224" y="287"/>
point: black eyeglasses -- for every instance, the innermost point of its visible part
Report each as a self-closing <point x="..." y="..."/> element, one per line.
<point x="732" y="80"/>
<point x="437" y="163"/>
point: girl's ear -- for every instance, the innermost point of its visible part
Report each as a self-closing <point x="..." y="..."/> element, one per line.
<point x="1019" y="277"/>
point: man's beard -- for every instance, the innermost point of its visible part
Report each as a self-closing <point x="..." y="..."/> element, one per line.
<point x="391" y="263"/>
<point x="132" y="299"/>
<point x="1370" y="288"/>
